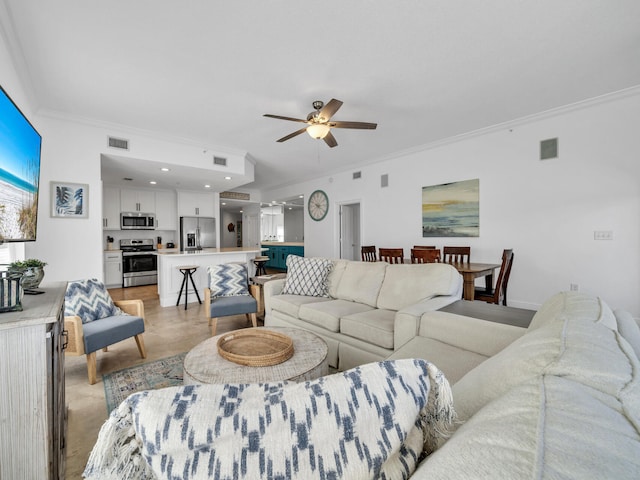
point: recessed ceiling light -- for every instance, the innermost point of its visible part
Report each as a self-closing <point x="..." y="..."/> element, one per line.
<point x="224" y="203"/>
<point x="164" y="169"/>
<point x="240" y="211"/>
<point x="227" y="178"/>
<point x="153" y="182"/>
<point x="301" y="196"/>
<point x="207" y="186"/>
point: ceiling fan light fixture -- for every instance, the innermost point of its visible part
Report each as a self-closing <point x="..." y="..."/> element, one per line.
<point x="318" y="130"/>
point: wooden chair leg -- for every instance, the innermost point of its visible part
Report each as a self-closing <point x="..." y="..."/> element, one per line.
<point x="91" y="367"/>
<point x="213" y="323"/>
<point x="253" y="318"/>
<point x="140" y="343"/>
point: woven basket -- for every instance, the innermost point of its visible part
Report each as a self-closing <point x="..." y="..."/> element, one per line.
<point x="255" y="347"/>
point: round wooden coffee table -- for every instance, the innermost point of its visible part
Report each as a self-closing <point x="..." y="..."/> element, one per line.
<point x="204" y="365"/>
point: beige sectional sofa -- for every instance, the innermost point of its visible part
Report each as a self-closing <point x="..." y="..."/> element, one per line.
<point x="561" y="401"/>
<point x="372" y="308"/>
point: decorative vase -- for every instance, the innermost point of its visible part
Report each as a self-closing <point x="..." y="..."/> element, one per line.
<point x="31" y="278"/>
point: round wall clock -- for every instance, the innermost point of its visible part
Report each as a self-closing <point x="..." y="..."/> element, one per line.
<point x="318" y="205"/>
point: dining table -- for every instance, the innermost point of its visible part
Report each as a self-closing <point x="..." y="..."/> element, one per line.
<point x="470" y="271"/>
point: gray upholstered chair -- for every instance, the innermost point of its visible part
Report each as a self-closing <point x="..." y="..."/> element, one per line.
<point x="93" y="321"/>
<point x="229" y="294"/>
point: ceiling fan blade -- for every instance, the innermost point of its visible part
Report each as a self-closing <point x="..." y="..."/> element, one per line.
<point x="330" y="140"/>
<point x="330" y="109"/>
<point x="294" y="134"/>
<point x="279" y="117"/>
<point x="363" y="125"/>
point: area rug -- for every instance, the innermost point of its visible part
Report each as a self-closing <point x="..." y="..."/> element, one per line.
<point x="166" y="372"/>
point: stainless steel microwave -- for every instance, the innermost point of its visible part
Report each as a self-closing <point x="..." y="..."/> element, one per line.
<point x="137" y="221"/>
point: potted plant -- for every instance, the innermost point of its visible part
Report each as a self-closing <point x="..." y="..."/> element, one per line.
<point x="30" y="271"/>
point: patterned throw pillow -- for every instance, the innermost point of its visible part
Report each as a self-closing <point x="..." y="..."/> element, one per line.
<point x="228" y="280"/>
<point x="307" y="276"/>
<point x="90" y="300"/>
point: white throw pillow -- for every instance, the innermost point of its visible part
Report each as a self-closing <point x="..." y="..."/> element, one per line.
<point x="307" y="276"/>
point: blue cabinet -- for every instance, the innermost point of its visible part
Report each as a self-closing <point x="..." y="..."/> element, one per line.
<point x="278" y="255"/>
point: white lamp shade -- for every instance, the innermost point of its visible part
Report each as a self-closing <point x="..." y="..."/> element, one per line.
<point x="318" y="130"/>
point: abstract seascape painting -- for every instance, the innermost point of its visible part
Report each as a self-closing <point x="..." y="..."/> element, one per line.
<point x="451" y="209"/>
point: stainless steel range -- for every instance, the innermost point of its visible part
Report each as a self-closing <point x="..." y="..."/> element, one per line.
<point x="139" y="262"/>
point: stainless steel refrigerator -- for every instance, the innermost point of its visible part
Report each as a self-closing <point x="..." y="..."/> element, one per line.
<point x="197" y="233"/>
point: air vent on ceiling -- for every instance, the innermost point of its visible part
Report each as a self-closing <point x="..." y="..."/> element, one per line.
<point x="120" y="143"/>
<point x="357" y="175"/>
<point x="220" y="161"/>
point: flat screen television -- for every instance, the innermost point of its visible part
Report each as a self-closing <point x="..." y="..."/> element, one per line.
<point x="19" y="173"/>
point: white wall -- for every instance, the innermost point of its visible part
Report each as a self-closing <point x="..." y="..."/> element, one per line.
<point x="227" y="238"/>
<point x="546" y="211"/>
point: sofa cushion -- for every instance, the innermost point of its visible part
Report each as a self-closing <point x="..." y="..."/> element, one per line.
<point x="408" y="284"/>
<point x="361" y="282"/>
<point x="290" y="304"/>
<point x="629" y="329"/>
<point x="335" y="275"/>
<point x="89" y="300"/>
<point x="547" y="427"/>
<point x="374" y="326"/>
<point x="574" y="303"/>
<point x="572" y="346"/>
<point x="327" y="314"/>
<point x="228" y="279"/>
<point x="453" y="361"/>
<point x="307" y="276"/>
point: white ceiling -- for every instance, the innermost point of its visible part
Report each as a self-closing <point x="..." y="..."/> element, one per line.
<point x="424" y="70"/>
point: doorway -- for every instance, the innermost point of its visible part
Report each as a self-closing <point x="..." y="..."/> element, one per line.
<point x="350" y="231"/>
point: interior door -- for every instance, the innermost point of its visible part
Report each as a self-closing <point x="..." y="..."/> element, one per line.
<point x="251" y="225"/>
<point x="350" y="231"/>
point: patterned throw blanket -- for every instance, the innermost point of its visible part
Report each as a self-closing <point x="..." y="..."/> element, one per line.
<point x="375" y="421"/>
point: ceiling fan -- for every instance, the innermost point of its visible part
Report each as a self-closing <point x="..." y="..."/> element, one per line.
<point x="319" y="124"/>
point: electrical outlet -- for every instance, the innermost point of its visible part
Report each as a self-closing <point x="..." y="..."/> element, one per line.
<point x="603" y="235"/>
<point x="574" y="287"/>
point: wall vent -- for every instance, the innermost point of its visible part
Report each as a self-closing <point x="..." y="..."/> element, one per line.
<point x="120" y="143"/>
<point x="549" y="149"/>
<point x="220" y="161"/>
<point x="357" y="175"/>
<point x="384" y="180"/>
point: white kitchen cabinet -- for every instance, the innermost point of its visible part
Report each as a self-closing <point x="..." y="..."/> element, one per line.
<point x="111" y="208"/>
<point x="166" y="210"/>
<point x="113" y="269"/>
<point x="194" y="204"/>
<point x="137" y="200"/>
<point x="32" y="403"/>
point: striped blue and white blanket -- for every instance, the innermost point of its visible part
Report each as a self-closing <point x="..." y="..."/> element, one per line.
<point x="375" y="421"/>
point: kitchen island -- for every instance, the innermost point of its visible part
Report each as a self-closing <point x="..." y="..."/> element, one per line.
<point x="170" y="278"/>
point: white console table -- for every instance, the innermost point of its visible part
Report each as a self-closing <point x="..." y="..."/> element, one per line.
<point x="32" y="404"/>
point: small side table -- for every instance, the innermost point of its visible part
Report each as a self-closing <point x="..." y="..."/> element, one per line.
<point x="187" y="272"/>
<point x="259" y="282"/>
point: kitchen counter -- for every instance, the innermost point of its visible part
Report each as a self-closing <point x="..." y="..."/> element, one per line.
<point x="283" y="244"/>
<point x="209" y="251"/>
<point x="170" y="278"/>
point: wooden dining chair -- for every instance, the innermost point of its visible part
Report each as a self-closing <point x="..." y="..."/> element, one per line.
<point x="368" y="253"/>
<point x="456" y="254"/>
<point x="391" y="255"/>
<point x="423" y="246"/>
<point x="425" y="255"/>
<point x="499" y="294"/>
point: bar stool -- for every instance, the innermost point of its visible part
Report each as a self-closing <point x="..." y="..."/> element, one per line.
<point x="187" y="273"/>
<point x="260" y="262"/>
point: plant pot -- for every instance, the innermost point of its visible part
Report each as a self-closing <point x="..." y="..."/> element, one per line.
<point x="31" y="278"/>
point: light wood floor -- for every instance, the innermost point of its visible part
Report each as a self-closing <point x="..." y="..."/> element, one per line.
<point x="168" y="331"/>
